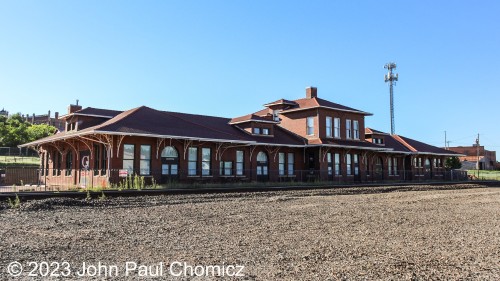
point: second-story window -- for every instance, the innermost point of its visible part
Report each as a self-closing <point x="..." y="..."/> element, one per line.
<point x="336" y="127"/>
<point x="265" y="131"/>
<point x="348" y="131"/>
<point x="328" y="127"/>
<point x="256" y="131"/>
<point x="355" y="124"/>
<point x="310" y="126"/>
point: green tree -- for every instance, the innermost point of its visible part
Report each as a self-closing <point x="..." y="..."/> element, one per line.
<point x="36" y="132"/>
<point x="452" y="163"/>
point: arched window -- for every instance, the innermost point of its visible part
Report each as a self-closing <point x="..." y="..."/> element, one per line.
<point x="169" y="164"/>
<point x="262" y="168"/>
<point x="169" y="152"/>
<point x="262" y="157"/>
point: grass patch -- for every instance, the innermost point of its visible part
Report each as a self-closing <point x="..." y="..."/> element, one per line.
<point x="13" y="161"/>
<point x="485" y="174"/>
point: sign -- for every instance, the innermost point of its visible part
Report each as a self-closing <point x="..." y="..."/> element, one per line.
<point x="123" y="173"/>
<point x="85" y="162"/>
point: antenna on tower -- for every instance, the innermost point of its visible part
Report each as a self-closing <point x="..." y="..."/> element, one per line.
<point x="391" y="78"/>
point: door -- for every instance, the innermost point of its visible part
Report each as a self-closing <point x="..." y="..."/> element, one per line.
<point x="169" y="164"/>
<point x="379" y="168"/>
<point x="262" y="167"/>
<point x="84" y="177"/>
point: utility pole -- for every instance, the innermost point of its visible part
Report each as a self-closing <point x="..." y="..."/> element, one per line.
<point x="391" y="78"/>
<point x="445" y="142"/>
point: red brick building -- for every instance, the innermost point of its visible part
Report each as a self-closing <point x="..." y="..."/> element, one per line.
<point x="307" y="139"/>
<point x="469" y="158"/>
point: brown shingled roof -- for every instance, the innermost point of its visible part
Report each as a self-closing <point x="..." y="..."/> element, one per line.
<point x="148" y="122"/>
<point x="420" y="147"/>
<point x="307" y="103"/>
<point x="250" y="117"/>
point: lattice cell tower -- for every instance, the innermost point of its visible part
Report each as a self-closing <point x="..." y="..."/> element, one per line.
<point x="391" y="78"/>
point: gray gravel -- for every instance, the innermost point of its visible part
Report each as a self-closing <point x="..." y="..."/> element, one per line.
<point x="423" y="233"/>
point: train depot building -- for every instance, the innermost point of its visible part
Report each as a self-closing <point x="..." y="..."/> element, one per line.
<point x="308" y="139"/>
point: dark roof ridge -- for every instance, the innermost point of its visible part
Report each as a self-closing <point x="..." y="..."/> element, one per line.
<point x="118" y="117"/>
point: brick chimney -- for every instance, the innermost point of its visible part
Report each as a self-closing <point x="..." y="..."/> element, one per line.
<point x="72" y="108"/>
<point x="311" y="92"/>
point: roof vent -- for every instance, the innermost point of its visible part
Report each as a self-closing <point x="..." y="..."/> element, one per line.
<point x="311" y="92"/>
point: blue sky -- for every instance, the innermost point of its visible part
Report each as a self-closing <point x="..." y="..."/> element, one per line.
<point x="228" y="58"/>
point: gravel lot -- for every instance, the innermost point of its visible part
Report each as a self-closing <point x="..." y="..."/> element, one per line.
<point x="423" y="233"/>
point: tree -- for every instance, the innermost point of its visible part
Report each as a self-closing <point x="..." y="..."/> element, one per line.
<point x="452" y="163"/>
<point x="36" y="132"/>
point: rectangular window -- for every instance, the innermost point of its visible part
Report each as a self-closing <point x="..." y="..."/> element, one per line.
<point x="348" y="164"/>
<point x="395" y="166"/>
<point x="348" y="133"/>
<point x="337" y="164"/>
<point x="206" y="161"/>
<point x="310" y="126"/>
<point x="256" y="131"/>
<point x="336" y="127"/>
<point x="104" y="160"/>
<point x="69" y="163"/>
<point x="192" y="160"/>
<point x="328" y="127"/>
<point x="390" y="166"/>
<point x="356" y="129"/>
<point x="265" y="131"/>
<point x="97" y="154"/>
<point x="42" y="157"/>
<point x="290" y="164"/>
<point x="239" y="162"/>
<point x="330" y="163"/>
<point x="356" y="164"/>
<point x="47" y="157"/>
<point x="128" y="158"/>
<point x="281" y="163"/>
<point x="226" y="168"/>
<point x="145" y="163"/>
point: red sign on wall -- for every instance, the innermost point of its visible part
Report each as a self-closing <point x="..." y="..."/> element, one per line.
<point x="123" y="173"/>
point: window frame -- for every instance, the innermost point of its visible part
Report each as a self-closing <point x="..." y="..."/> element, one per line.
<point x="337" y="164"/>
<point x="69" y="164"/>
<point x="348" y="164"/>
<point x="355" y="124"/>
<point x="146" y="160"/>
<point x="348" y="129"/>
<point x="206" y="162"/>
<point x="310" y="126"/>
<point x="240" y="164"/>
<point x="281" y="164"/>
<point x="129" y="160"/>
<point x="336" y="127"/>
<point x="192" y="161"/>
<point x="328" y="127"/>
<point x="290" y="163"/>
